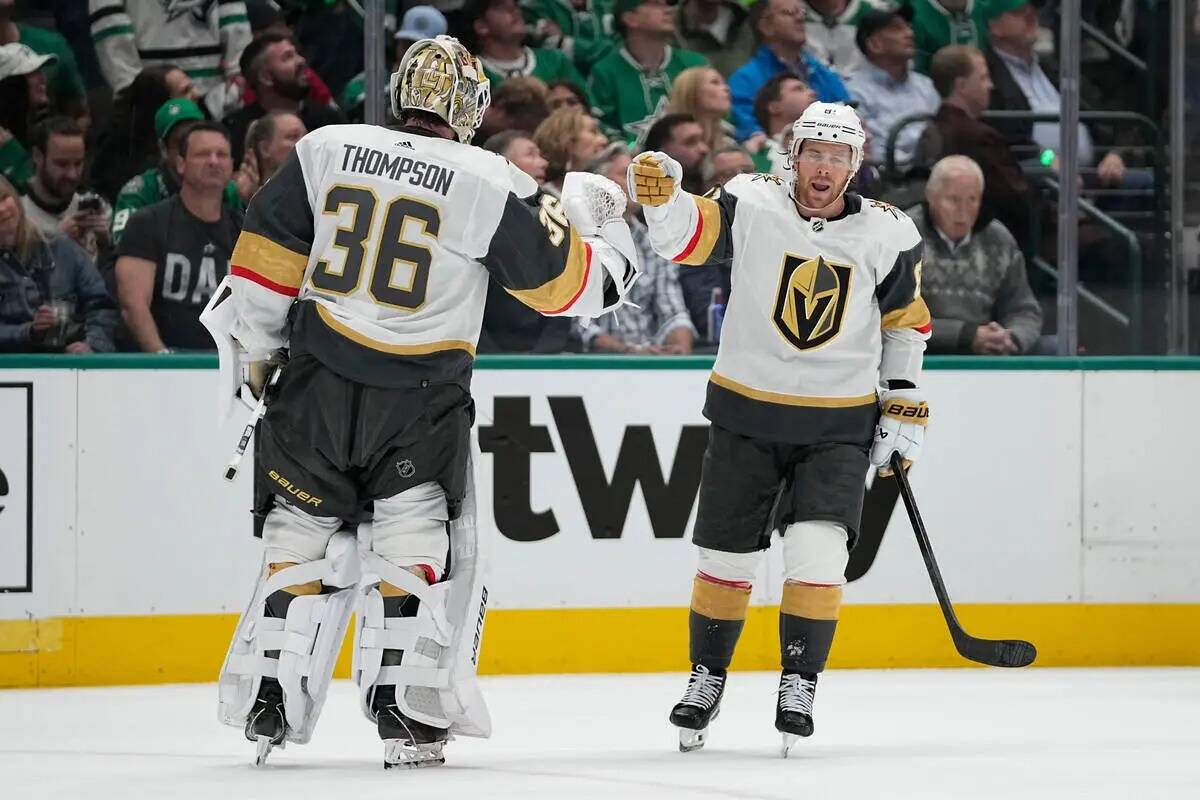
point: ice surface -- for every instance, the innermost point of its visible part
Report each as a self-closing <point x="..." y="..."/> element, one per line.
<point x="963" y="734"/>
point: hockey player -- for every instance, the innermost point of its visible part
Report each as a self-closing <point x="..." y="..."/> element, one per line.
<point x="367" y="258"/>
<point x="825" y="306"/>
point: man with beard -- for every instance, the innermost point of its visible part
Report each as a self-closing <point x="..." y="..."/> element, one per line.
<point x="278" y="74"/>
<point x="52" y="200"/>
<point x="816" y="380"/>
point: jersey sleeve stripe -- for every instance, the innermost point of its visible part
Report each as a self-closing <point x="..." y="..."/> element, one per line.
<point x="242" y="272"/>
<point x="915" y="315"/>
<point x="273" y="262"/>
<point x="420" y="349"/>
<point x="560" y="293"/>
<point x="708" y="228"/>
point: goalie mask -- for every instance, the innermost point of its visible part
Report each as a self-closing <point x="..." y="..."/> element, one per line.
<point x="830" y="122"/>
<point x="441" y="77"/>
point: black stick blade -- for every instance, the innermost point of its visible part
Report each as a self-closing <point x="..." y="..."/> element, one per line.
<point x="995" y="653"/>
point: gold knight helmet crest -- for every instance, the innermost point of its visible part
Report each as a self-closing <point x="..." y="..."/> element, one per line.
<point x="811" y="300"/>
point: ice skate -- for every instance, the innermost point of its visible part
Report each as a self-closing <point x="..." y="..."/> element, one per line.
<point x="793" y="712"/>
<point x="407" y="743"/>
<point x="266" y="725"/>
<point x="700" y="705"/>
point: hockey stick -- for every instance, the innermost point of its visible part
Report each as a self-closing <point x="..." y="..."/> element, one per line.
<point x="260" y="409"/>
<point x="995" y="653"/>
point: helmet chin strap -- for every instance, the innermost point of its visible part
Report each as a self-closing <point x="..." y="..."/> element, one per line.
<point x="809" y="211"/>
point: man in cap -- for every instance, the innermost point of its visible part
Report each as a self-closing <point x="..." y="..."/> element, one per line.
<point x="64" y="82"/>
<point x="631" y="84"/>
<point x="419" y="22"/>
<point x="159" y="183"/>
<point x="886" y="88"/>
<point x="17" y="113"/>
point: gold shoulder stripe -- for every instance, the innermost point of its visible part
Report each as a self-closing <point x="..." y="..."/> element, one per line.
<point x="559" y="292"/>
<point x="424" y="349"/>
<point x="273" y="261"/>
<point x="791" y="399"/>
<point x="913" y="315"/>
<point x="705" y="238"/>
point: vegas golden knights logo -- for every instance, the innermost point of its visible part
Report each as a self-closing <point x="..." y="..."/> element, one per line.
<point x="811" y="300"/>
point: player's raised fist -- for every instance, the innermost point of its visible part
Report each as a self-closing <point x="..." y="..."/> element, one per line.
<point x="654" y="178"/>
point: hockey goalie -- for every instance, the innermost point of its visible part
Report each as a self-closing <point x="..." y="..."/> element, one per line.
<point x="358" y="286"/>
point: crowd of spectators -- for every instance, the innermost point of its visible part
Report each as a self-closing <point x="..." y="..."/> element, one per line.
<point x="132" y="137"/>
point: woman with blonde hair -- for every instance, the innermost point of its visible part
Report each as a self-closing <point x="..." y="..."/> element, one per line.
<point x="703" y="93"/>
<point x="568" y="140"/>
<point x="51" y="296"/>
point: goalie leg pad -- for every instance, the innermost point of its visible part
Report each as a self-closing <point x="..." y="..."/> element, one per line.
<point x="444" y="637"/>
<point x="815" y="552"/>
<point x="306" y="640"/>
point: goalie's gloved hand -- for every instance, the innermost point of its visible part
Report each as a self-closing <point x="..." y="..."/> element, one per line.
<point x="257" y="375"/>
<point x="654" y="178"/>
<point x="901" y="429"/>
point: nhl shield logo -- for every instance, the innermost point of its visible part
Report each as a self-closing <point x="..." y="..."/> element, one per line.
<point x="811" y="300"/>
<point x="406" y="468"/>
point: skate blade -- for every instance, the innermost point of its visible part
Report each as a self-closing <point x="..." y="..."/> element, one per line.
<point x="398" y="754"/>
<point x="264" y="747"/>
<point x="690" y="739"/>
<point x="789" y="739"/>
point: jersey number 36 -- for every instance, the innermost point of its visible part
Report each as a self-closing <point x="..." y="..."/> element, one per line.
<point x="360" y="244"/>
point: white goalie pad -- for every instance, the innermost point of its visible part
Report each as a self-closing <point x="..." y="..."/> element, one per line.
<point x="218" y="317"/>
<point x="308" y="640"/>
<point x="440" y="644"/>
<point x="595" y="207"/>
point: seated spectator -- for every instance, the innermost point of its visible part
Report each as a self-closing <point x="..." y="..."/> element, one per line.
<point x="778" y="105"/>
<point x="566" y="94"/>
<point x="270" y="140"/>
<point x="939" y="23"/>
<point x="973" y="278"/>
<point x="158" y="183"/>
<point x="832" y="28"/>
<point x="1022" y="85"/>
<point x="23" y="101"/>
<point x="205" y="39"/>
<point x="702" y="93"/>
<point x="579" y="28"/>
<point x="497" y="34"/>
<point x="510" y="326"/>
<point x="175" y="252"/>
<point x="522" y="151"/>
<point x="265" y="19"/>
<point x="726" y="164"/>
<point x="51" y="296"/>
<point x="53" y="203"/>
<point x="519" y="104"/>
<point x="960" y="75"/>
<point x="568" y="139"/>
<point x="630" y="85"/>
<point x="885" y="88"/>
<point x="719" y="30"/>
<point x="129" y="144"/>
<point x="656" y="320"/>
<point x="64" y="83"/>
<point x="279" y="75"/>
<point x="681" y="137"/>
<point x="779" y="26"/>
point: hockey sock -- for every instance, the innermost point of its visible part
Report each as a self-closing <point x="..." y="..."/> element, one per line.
<point x="278" y="601"/>
<point x="716" y="619"/>
<point x="807" y="621"/>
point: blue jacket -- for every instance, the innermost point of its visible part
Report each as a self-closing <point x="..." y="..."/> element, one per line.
<point x="764" y="65"/>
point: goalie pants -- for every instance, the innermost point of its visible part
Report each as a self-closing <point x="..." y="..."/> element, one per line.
<point x="335" y="449"/>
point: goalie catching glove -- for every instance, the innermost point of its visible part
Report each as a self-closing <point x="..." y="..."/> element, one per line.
<point x="654" y="178"/>
<point x="903" y="417"/>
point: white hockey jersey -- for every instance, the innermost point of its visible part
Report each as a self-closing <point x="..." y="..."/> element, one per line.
<point x="815" y="306"/>
<point x="386" y="239"/>
<point x="204" y="38"/>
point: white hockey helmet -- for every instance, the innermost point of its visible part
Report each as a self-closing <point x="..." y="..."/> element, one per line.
<point x="441" y="77"/>
<point x="830" y="122"/>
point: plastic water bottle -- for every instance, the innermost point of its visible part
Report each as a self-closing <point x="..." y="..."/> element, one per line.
<point x="716" y="315"/>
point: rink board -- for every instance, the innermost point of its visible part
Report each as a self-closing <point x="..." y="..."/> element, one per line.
<point x="125" y="558"/>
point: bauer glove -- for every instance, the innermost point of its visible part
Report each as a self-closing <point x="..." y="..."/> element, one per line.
<point x="654" y="178"/>
<point x="901" y="429"/>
